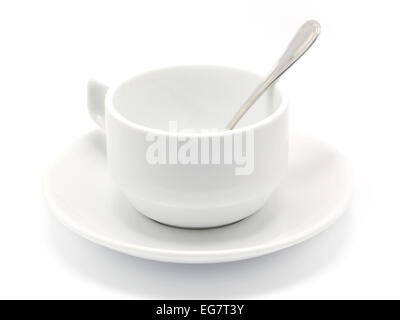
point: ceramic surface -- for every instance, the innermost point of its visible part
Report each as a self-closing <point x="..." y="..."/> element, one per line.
<point x="138" y="113"/>
<point x="82" y="195"/>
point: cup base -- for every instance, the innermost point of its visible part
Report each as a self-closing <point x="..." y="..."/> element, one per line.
<point x="198" y="218"/>
<point x="198" y="228"/>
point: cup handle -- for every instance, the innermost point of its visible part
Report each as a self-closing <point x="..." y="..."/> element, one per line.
<point x="96" y="93"/>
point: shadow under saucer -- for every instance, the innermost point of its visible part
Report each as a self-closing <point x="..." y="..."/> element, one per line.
<point x="232" y="280"/>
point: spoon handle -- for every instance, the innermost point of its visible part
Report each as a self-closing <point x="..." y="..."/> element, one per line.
<point x="300" y="43"/>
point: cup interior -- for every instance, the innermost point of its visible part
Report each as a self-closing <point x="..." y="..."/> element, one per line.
<point x="193" y="98"/>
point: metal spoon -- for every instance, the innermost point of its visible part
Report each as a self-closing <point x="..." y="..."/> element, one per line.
<point x="301" y="42"/>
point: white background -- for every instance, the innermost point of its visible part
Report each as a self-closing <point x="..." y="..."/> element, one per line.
<point x="344" y="90"/>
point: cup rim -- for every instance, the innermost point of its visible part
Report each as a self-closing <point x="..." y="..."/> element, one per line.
<point x="111" y="110"/>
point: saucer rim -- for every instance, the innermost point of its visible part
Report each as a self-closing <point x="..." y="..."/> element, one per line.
<point x="198" y="256"/>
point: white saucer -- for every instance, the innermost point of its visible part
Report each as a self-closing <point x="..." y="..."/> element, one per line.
<point x="81" y="194"/>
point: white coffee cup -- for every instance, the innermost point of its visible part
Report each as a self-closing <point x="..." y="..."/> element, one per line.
<point x="174" y="188"/>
